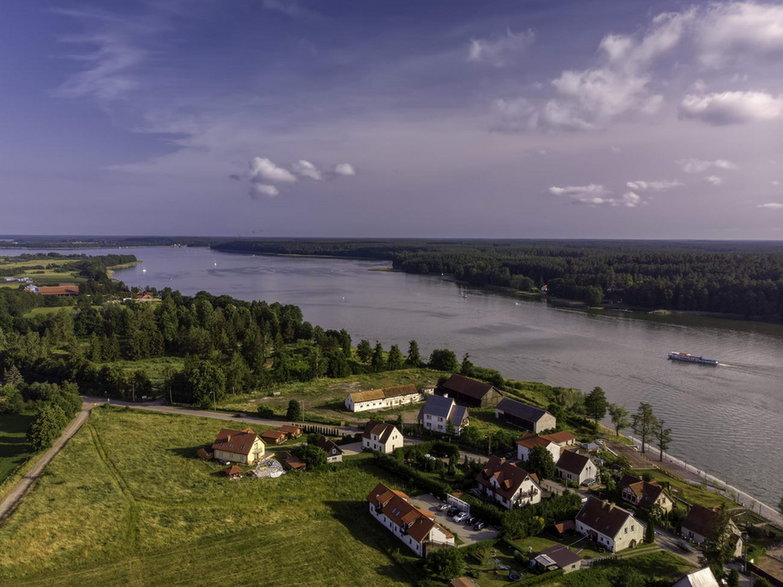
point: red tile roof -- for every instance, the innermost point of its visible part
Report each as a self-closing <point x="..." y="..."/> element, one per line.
<point x="234" y="470"/>
<point x="508" y="476"/>
<point x="561" y="437"/>
<point x="64" y="289"/>
<point x="235" y="441"/>
<point x="275" y="436"/>
<point x="394" y="505"/>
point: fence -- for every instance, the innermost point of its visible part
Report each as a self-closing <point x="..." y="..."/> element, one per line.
<point x="320" y="429"/>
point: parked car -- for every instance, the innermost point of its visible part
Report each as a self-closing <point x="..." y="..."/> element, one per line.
<point x="443" y="507"/>
<point x="588" y="482"/>
<point x="471" y="520"/>
<point x="460" y="517"/>
<point x="452" y="511"/>
<point x="479" y="525"/>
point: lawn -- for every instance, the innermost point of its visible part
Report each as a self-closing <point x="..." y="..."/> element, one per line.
<point x="14" y="449"/>
<point x="659" y="565"/>
<point x="578" y="544"/>
<point x="127" y="502"/>
<point x="690" y="493"/>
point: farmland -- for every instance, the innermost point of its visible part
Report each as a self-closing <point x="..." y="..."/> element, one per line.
<point x="127" y="502"/>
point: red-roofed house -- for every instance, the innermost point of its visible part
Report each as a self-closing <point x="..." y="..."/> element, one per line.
<point x="507" y="484"/>
<point x="644" y="494"/>
<point x="238" y="446"/>
<point x="527" y="443"/>
<point x="414" y="527"/>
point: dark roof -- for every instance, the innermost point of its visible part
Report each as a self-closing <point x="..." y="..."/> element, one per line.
<point x="646" y="492"/>
<point x="572" y="462"/>
<point x="328" y="446"/>
<point x="701" y="520"/>
<point x="561" y="555"/>
<point x="235" y="441"/>
<point x="508" y="476"/>
<point x="458" y="416"/>
<point x="466" y="386"/>
<point x="561" y="437"/>
<point x="381" y="429"/>
<point x="603" y="516"/>
<point x="436" y="405"/>
<point x="523" y="411"/>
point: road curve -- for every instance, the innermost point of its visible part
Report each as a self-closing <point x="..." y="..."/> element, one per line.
<point x="18" y="491"/>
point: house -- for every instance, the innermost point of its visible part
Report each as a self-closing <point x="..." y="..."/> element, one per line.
<point x="525" y="416"/>
<point x="571" y="466"/>
<point x="290" y="431"/>
<point x="293" y="463"/>
<point x="644" y="494"/>
<point x="702" y="523"/>
<point x="562" y="438"/>
<point x="234" y="472"/>
<point x="608" y="525"/>
<point x="238" y="446"/>
<point x="558" y="557"/>
<point x="438" y="412"/>
<point x="416" y="528"/>
<point x="507" y="484"/>
<point x="64" y="289"/>
<point x="145" y="296"/>
<point x="334" y="454"/>
<point x="31" y="288"/>
<point x="381" y="399"/>
<point x="274" y="436"/>
<point x="469" y="392"/>
<point x="701" y="578"/>
<point x="381" y="437"/>
<point x="528" y="443"/>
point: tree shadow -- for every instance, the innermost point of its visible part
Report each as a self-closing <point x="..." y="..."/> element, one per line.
<point x="189" y="452"/>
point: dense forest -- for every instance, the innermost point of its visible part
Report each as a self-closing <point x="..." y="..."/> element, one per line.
<point x="742" y="278"/>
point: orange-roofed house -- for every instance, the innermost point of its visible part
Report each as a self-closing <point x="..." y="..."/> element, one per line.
<point x="275" y="436"/>
<point x="414" y="527"/>
<point x="238" y="446"/>
<point x="290" y="431"/>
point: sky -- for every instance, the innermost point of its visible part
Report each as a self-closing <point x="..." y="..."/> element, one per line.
<point x="435" y="118"/>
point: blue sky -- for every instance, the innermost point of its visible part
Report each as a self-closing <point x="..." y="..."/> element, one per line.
<point x="585" y="119"/>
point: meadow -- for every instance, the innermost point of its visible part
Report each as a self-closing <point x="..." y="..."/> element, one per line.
<point x="14" y="448"/>
<point x="128" y="502"/>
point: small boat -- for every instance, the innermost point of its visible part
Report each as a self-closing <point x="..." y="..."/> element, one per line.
<point x="143" y="270"/>
<point x="688" y="358"/>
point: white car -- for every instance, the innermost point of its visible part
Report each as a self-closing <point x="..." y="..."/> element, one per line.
<point x="460" y="516"/>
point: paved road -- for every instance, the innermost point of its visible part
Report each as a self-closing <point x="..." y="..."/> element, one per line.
<point x="672" y="543"/>
<point x="19" y="490"/>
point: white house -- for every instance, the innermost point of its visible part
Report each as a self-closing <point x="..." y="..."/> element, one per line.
<point x="438" y="412"/>
<point x="238" y="446"/>
<point x="608" y="525"/>
<point x="528" y="443"/>
<point x="381" y="437"/>
<point x="381" y="399"/>
<point x="334" y="454"/>
<point x="572" y="466"/>
<point x="414" y="527"/>
<point x="507" y="484"/>
<point x="644" y="494"/>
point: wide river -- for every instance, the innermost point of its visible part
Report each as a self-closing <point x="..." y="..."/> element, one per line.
<point x="727" y="420"/>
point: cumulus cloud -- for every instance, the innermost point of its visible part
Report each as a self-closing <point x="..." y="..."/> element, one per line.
<point x="596" y="195"/>
<point x="264" y="189"/>
<point x="714" y="180"/>
<point x="732" y="107"/>
<point x="701" y="165"/>
<point x="652" y="186"/>
<point x="770" y="205"/>
<point x="496" y="51"/>
<point x="306" y="169"/>
<point x="344" y="169"/>
<point x="262" y="168"/>
<point x="733" y="30"/>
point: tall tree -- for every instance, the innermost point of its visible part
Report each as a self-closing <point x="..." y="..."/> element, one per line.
<point x="719" y="548"/>
<point x="663" y="436"/>
<point x="294" y="412"/>
<point x="443" y="360"/>
<point x="364" y="350"/>
<point x="643" y="423"/>
<point x="540" y="462"/>
<point x="620" y="418"/>
<point x="378" y="362"/>
<point x="395" y="360"/>
<point x="47" y="426"/>
<point x="596" y="404"/>
<point x="414" y="357"/>
<point x="466" y="368"/>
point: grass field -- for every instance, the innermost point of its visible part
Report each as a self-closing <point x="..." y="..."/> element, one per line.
<point x="155" y="368"/>
<point x="127" y="502"/>
<point x="14" y="449"/>
<point x="659" y="565"/>
<point x="690" y="493"/>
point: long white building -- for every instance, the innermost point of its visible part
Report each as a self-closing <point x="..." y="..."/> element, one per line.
<point x="381" y="399"/>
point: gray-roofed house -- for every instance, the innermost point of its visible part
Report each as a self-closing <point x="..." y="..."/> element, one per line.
<point x="558" y="557"/>
<point x="439" y="411"/>
<point x="469" y="392"/>
<point x="525" y="416"/>
<point x="608" y="525"/>
<point x="572" y="466"/>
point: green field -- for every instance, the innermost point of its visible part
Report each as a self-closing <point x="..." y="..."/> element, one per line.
<point x="127" y="502"/>
<point x="690" y="493"/>
<point x="659" y="565"/>
<point x="155" y="368"/>
<point x="14" y="449"/>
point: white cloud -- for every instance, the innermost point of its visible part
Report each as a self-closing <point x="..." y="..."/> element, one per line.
<point x="732" y="107"/>
<point x="733" y="30"/>
<point x="597" y="195"/>
<point x="263" y="168"/>
<point x="344" y="169"/>
<point x="701" y="165"/>
<point x="775" y="182"/>
<point x="714" y="180"/>
<point x="497" y="51"/>
<point x="770" y="205"/>
<point x="290" y="8"/>
<point x="652" y="186"/>
<point x="264" y="189"/>
<point x="306" y="169"/>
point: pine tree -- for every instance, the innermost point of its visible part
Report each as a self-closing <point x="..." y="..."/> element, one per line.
<point x="620" y="418"/>
<point x="395" y="360"/>
<point x="663" y="435"/>
<point x="378" y="362"/>
<point x="596" y="404"/>
<point x="414" y="357"/>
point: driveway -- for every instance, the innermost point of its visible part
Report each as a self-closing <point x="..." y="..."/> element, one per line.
<point x="467" y="534"/>
<point x="671" y="543"/>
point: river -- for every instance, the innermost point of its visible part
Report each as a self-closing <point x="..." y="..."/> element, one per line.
<point x="727" y="420"/>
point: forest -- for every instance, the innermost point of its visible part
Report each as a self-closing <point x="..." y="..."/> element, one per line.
<point x="743" y="279"/>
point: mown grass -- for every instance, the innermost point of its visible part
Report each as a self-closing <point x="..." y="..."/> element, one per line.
<point x="127" y="502"/>
<point x="575" y="543"/>
<point x="690" y="493"/>
<point x="14" y="448"/>
<point x="659" y="565"/>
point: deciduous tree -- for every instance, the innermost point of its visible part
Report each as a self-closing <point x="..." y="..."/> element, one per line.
<point x="620" y="418"/>
<point x="540" y="462"/>
<point x="443" y="360"/>
<point x="644" y="422"/>
<point x="663" y="436"/>
<point x="596" y="404"/>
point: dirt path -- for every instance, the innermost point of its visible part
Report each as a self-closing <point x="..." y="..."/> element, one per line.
<point x="12" y="499"/>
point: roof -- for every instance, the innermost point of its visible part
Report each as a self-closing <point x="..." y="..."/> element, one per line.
<point x="466" y="386"/>
<point x="394" y="505"/>
<point x="646" y="492"/>
<point x="381" y="429"/>
<point x="275" y="434"/>
<point x="564" y="526"/>
<point x="328" y="446"/>
<point x="444" y="407"/>
<point x="289" y="429"/>
<point x="533" y="441"/>
<point x="559" y="555"/>
<point x="509" y="477"/>
<point x="701" y="578"/>
<point x="235" y="441"/>
<point x="294" y="462"/>
<point x="572" y="462"/>
<point x="701" y="520"/>
<point x="376" y="394"/>
<point x="603" y="516"/>
<point x="519" y="410"/>
<point x="64" y="289"/>
<point x="562" y="437"/>
<point x="233" y="470"/>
